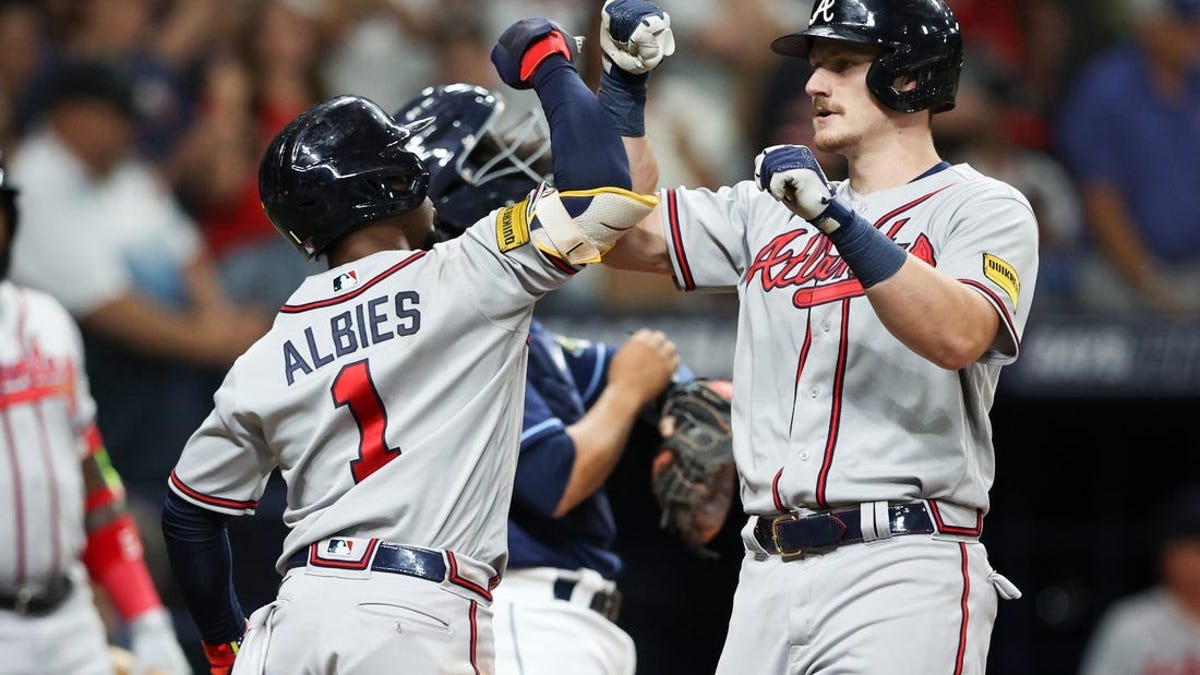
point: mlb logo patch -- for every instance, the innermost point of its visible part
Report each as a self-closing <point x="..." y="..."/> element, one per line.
<point x="345" y="280"/>
<point x="339" y="548"/>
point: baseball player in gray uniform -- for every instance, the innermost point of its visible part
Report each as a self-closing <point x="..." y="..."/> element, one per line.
<point x="875" y="316"/>
<point x="64" y="517"/>
<point x="389" y="390"/>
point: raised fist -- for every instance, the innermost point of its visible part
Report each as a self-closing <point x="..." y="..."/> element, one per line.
<point x="524" y="45"/>
<point x="792" y="175"/>
<point x="635" y="35"/>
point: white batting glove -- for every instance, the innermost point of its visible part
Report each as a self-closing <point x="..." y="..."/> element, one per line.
<point x="792" y="175"/>
<point x="635" y="35"/>
<point x="155" y="646"/>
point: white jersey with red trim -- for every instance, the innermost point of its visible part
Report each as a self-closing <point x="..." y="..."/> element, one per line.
<point x="830" y="409"/>
<point x="389" y="393"/>
<point x="45" y="411"/>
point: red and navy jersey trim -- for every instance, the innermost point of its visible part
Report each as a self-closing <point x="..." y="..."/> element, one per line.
<point x="1004" y="313"/>
<point x="685" y="269"/>
<point x="329" y="302"/>
<point x="558" y="263"/>
<point x="944" y="528"/>
<point x="455" y="578"/>
<point x="960" y="653"/>
<point x="835" y="413"/>
<point x="239" y="504"/>
<point x="315" y="559"/>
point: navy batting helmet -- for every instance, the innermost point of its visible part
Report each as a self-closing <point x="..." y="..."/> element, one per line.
<point x="338" y="165"/>
<point x="919" y="38"/>
<point x="475" y="166"/>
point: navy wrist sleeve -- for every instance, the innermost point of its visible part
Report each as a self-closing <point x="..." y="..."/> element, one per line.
<point x="198" y="548"/>
<point x="869" y="253"/>
<point x="623" y="97"/>
<point x="588" y="152"/>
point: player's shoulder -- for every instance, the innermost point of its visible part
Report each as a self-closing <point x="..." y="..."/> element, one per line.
<point x="40" y="307"/>
<point x="966" y="183"/>
<point x="328" y="288"/>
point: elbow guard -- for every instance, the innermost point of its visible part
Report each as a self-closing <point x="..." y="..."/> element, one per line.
<point x="580" y="226"/>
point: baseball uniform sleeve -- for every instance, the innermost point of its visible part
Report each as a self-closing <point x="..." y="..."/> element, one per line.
<point x="546" y="459"/>
<point x="989" y="242"/>
<point x="225" y="465"/>
<point x="497" y="253"/>
<point x="705" y="233"/>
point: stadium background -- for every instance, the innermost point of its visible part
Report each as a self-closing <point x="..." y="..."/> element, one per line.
<point x="1093" y="427"/>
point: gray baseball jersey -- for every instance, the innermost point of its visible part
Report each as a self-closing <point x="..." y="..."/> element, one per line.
<point x="830" y="409"/>
<point x="46" y="416"/>
<point x="388" y="392"/>
<point x="45" y="411"/>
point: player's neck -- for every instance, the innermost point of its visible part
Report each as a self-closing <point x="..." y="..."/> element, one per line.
<point x="367" y="240"/>
<point x="892" y="160"/>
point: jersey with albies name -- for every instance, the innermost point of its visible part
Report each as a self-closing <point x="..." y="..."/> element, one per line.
<point x="46" y="413"/>
<point x="829" y="408"/>
<point x="388" y="393"/>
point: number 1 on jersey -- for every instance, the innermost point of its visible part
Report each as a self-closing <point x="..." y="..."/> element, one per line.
<point x="354" y="389"/>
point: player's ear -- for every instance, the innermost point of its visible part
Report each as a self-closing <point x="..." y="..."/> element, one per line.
<point x="906" y="82"/>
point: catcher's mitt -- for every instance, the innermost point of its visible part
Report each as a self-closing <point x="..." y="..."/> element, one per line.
<point x="693" y="475"/>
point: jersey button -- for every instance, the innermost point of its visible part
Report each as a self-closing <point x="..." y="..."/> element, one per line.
<point x="813" y="392"/>
<point x="826" y="326"/>
<point x="804" y="456"/>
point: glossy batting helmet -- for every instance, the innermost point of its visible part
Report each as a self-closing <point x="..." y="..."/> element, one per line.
<point x="475" y="165"/>
<point x="338" y="165"/>
<point x="919" y="38"/>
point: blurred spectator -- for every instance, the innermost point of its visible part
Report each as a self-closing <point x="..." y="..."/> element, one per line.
<point x="382" y="49"/>
<point x="250" y="94"/>
<point x="1130" y="134"/>
<point x="1157" y="631"/>
<point x="103" y="235"/>
<point x="988" y="147"/>
<point x="156" y="42"/>
<point x="22" y="49"/>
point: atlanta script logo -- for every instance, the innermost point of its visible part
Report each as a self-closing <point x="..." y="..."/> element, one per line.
<point x="817" y="272"/>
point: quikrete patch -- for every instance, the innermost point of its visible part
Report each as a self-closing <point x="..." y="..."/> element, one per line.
<point x="1003" y="275"/>
<point x="512" y="227"/>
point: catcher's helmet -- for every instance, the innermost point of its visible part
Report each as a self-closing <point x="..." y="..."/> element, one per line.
<point x="474" y="166"/>
<point x="336" y="166"/>
<point x="919" y="38"/>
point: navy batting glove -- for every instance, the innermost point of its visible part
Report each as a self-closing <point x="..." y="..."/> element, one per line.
<point x="793" y="176"/>
<point x="624" y="16"/>
<point x="525" y="45"/>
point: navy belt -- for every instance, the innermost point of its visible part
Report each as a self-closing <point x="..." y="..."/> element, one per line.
<point x="393" y="558"/>
<point x="46" y="600"/>
<point x="793" y="536"/>
<point x="605" y="603"/>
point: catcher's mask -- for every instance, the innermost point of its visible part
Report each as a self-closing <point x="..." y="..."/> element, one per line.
<point x="475" y="166"/>
<point x="338" y="165"/>
<point x="919" y="38"/>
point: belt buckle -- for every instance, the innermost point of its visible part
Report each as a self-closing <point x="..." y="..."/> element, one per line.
<point x="609" y="604"/>
<point x="784" y="553"/>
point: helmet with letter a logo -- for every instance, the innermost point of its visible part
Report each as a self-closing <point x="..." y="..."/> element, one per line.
<point x="920" y="39"/>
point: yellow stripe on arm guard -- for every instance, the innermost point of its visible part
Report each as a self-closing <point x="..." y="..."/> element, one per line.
<point x="580" y="226"/>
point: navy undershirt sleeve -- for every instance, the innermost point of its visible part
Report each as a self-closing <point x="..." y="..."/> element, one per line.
<point x="588" y="152"/>
<point x="198" y="547"/>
